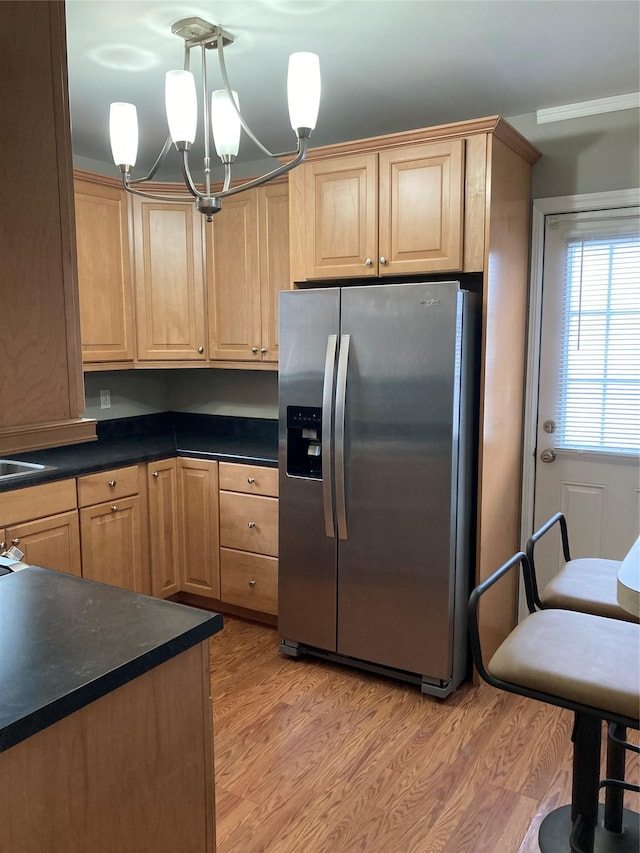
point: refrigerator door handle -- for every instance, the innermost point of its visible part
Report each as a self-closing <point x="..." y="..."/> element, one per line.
<point x="327" y="432"/>
<point x="341" y="392"/>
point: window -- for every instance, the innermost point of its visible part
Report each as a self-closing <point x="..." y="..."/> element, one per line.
<point x="599" y="388"/>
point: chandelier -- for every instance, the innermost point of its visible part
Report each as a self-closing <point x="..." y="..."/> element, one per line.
<point x="303" y="90"/>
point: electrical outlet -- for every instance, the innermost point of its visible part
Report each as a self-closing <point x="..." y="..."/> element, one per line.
<point x="105" y="399"/>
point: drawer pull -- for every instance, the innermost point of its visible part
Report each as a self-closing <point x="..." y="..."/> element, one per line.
<point x="250" y="480"/>
<point x="114" y="508"/>
<point x="15" y="541"/>
<point x="252" y="524"/>
<point x="155" y="474"/>
<point x="112" y="483"/>
<point x="252" y="583"/>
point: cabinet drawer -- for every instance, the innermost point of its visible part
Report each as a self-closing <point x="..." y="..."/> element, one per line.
<point x="249" y="580"/>
<point x="252" y="479"/>
<point x="108" y="485"/>
<point x="37" y="502"/>
<point x="249" y="523"/>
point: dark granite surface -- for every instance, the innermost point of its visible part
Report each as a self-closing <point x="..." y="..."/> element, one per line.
<point x="147" y="438"/>
<point x="66" y="641"/>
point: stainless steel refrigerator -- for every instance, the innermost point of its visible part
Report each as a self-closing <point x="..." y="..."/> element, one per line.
<point x="377" y="436"/>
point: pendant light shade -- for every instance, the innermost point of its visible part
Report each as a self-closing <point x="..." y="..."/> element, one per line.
<point x="123" y="131"/>
<point x="303" y="89"/>
<point x="225" y="123"/>
<point x="181" y="104"/>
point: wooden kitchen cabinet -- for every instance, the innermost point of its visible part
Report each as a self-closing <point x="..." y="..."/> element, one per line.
<point x="40" y="358"/>
<point x="104" y="269"/>
<point x="164" y="544"/>
<point x="249" y="537"/>
<point x="247" y="251"/>
<point x="42" y="521"/>
<point x="113" y="528"/>
<point x="394" y="212"/>
<point x="170" y="303"/>
<point x="198" y="527"/>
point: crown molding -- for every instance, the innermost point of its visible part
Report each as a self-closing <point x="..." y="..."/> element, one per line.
<point x="589" y="108"/>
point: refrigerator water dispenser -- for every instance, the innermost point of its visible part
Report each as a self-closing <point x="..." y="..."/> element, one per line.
<point x="304" y="442"/>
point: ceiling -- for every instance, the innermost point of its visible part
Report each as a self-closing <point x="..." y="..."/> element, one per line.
<point x="387" y="65"/>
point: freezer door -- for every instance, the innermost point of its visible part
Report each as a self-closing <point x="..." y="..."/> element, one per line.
<point x="309" y="323"/>
<point x="396" y="566"/>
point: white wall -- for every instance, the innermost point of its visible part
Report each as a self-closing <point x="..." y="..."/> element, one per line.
<point x="584" y="155"/>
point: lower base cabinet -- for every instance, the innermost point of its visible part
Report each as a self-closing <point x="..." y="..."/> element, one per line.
<point x="198" y="523"/>
<point x="114" y="532"/>
<point x="42" y="521"/>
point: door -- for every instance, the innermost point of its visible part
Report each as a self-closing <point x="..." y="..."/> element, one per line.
<point x="169" y="281"/>
<point x="113" y="549"/>
<point x="588" y="442"/>
<point x="273" y="239"/>
<point x="199" y="527"/>
<point x="421" y="208"/>
<point x="164" y="547"/>
<point x="397" y="551"/>
<point x="340" y="216"/>
<point x="233" y="280"/>
<point x="307" y="571"/>
<point x="52" y="542"/>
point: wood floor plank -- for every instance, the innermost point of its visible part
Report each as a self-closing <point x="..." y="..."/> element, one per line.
<point x="313" y="757"/>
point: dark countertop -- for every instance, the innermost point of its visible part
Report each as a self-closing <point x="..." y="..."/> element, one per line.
<point x="67" y="641"/>
<point x="148" y="438"/>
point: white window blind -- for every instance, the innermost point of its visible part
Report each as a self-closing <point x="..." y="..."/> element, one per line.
<point x="599" y="382"/>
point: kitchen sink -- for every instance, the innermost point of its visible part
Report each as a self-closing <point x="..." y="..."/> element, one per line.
<point x="15" y="468"/>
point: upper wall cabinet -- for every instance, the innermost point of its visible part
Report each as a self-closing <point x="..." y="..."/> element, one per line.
<point x="169" y="281"/>
<point x="247" y="254"/>
<point x="40" y="360"/>
<point x="104" y="269"/>
<point x="394" y="212"/>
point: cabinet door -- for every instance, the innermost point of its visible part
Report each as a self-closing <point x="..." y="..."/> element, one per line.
<point x="273" y="239"/>
<point x="169" y="281"/>
<point x="340" y="216"/>
<point x="113" y="546"/>
<point x="199" y="538"/>
<point x="164" y="548"/>
<point x="52" y="542"/>
<point x="421" y="202"/>
<point x="104" y="276"/>
<point x="233" y="280"/>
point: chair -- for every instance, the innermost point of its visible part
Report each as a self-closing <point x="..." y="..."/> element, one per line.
<point x="588" y="584"/>
<point x="589" y="664"/>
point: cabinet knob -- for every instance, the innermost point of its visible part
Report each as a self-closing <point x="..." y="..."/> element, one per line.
<point x="15" y="541"/>
<point x="114" y="508"/>
<point x="252" y="583"/>
<point x="200" y="349"/>
<point x="252" y="524"/>
<point x="3" y="545"/>
<point x="383" y="260"/>
<point x="155" y="474"/>
<point x="254" y="350"/>
<point x="250" y="480"/>
<point x="264" y="350"/>
<point x="368" y="262"/>
<point x="112" y="483"/>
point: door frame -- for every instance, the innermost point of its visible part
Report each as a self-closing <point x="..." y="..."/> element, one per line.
<point x="543" y="207"/>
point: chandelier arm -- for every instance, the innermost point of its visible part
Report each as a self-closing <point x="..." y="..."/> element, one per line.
<point x="154" y="196"/>
<point x="227" y="86"/>
<point x="159" y="161"/>
<point x="186" y="174"/>
<point x="227" y="177"/>
<point x="303" y="144"/>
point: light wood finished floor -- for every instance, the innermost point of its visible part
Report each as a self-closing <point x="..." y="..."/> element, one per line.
<point x="315" y="758"/>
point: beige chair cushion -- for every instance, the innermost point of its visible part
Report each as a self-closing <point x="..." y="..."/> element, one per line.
<point x="588" y="585"/>
<point x="575" y="656"/>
